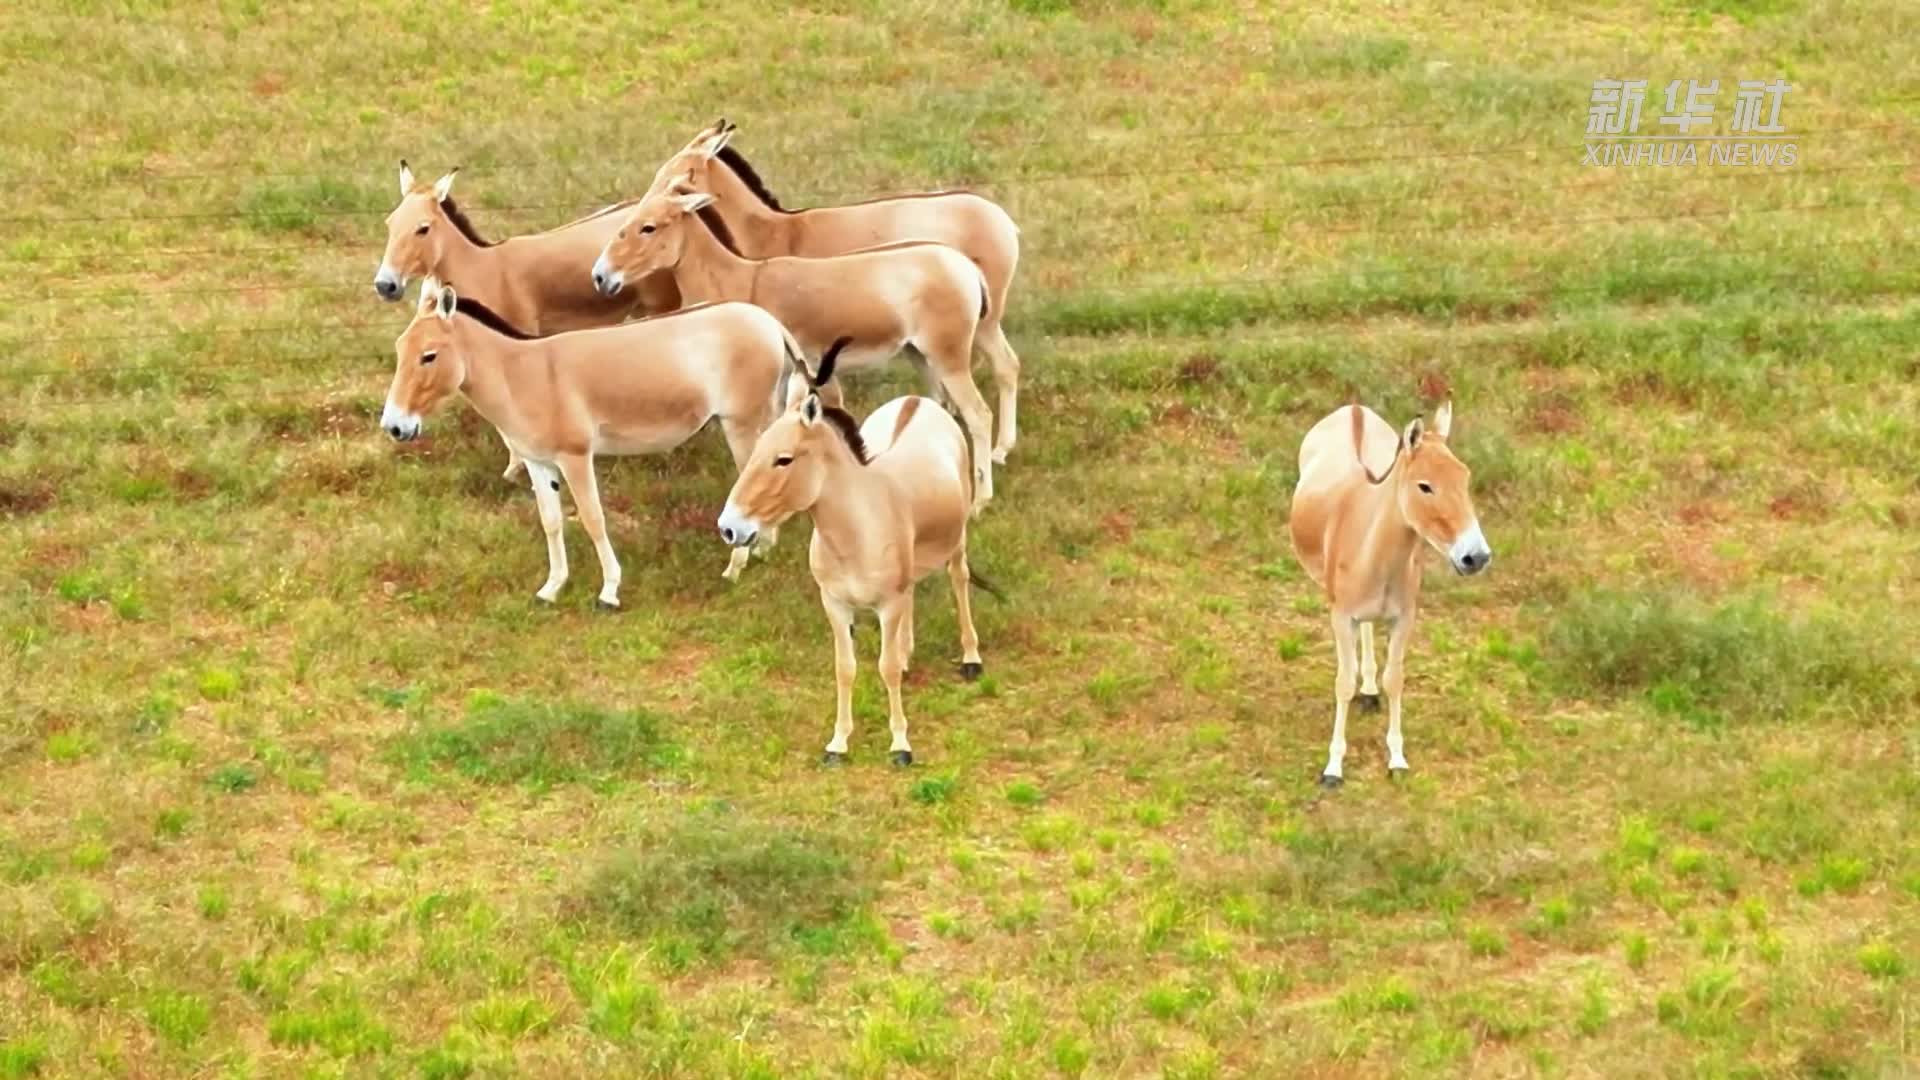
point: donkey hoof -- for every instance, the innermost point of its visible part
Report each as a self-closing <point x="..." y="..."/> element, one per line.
<point x="999" y="457"/>
<point x="605" y="605"/>
<point x="901" y="758"/>
<point x="1397" y="772"/>
<point x="1330" y="781"/>
<point x="1367" y="702"/>
<point x="833" y="758"/>
<point x="972" y="670"/>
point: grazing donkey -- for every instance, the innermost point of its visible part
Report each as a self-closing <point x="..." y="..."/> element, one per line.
<point x="642" y="387"/>
<point x="923" y="295"/>
<point x="976" y="227"/>
<point x="889" y="500"/>
<point x="531" y="281"/>
<point x="1358" y="535"/>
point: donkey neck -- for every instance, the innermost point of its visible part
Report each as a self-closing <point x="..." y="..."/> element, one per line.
<point x="708" y="272"/>
<point x="492" y="362"/>
<point x="1387" y="540"/>
<point x="854" y="510"/>
<point x="477" y="271"/>
<point x="760" y="231"/>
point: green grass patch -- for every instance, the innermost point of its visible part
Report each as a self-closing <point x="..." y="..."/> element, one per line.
<point x="306" y="206"/>
<point x="1882" y="961"/>
<point x="1740" y="660"/>
<point x="179" y="1018"/>
<point x="716" y="879"/>
<point x="497" y="741"/>
<point x="23" y="1056"/>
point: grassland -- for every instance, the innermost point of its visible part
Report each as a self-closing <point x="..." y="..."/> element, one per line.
<point x="297" y="778"/>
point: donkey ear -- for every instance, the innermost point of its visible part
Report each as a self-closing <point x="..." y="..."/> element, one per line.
<point x="1443" y="420"/>
<point x="429" y="292"/>
<point x="719" y="140"/>
<point x="1413" y="433"/>
<point x="810" y="410"/>
<point x="447" y="302"/>
<point x="691" y="203"/>
<point x="406" y="179"/>
<point x="444" y="186"/>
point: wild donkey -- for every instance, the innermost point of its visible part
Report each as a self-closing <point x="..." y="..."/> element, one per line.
<point x="1359" y="535"/>
<point x="925" y="295"/>
<point x="889" y="501"/>
<point x="639" y="388"/>
<point x="976" y="227"/>
<point x="530" y="281"/>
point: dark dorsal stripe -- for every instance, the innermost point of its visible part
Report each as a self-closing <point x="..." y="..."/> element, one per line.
<point x="487" y="317"/>
<point x="906" y="417"/>
<point x="711" y="219"/>
<point x="492" y="320"/>
<point x="459" y="219"/>
<point x="731" y="159"/>
<point x="849" y="429"/>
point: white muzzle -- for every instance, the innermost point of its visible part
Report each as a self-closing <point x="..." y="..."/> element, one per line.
<point x="402" y="425"/>
<point x="736" y="528"/>
<point x="1470" y="553"/>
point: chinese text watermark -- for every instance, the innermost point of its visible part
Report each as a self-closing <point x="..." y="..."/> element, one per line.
<point x="1754" y="134"/>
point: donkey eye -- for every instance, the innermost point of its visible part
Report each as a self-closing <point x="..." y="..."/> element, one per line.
<point x="427" y="358"/>
<point x="783" y="461"/>
<point x="646" y="228"/>
<point x="1426" y="488"/>
<point x="422" y="230"/>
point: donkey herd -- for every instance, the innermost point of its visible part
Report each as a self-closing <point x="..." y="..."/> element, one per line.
<point x="703" y="300"/>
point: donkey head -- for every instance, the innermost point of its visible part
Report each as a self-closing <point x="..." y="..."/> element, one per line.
<point x="789" y="465"/>
<point x="690" y="167"/>
<point x="1435" y="498"/>
<point x="653" y="238"/>
<point x="428" y="364"/>
<point x="415" y="233"/>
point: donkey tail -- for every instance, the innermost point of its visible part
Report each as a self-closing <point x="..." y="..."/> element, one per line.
<point x="988" y="587"/>
<point x="985" y="293"/>
<point x="796" y="364"/>
<point x="795" y="355"/>
<point x="824" y="374"/>
<point x="1359" y="447"/>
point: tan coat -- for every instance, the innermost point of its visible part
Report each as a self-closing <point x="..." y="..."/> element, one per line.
<point x="890" y="504"/>
<point x="923" y="295"/>
<point x="532" y="281"/>
<point x="1359" y="533"/>
<point x="975" y="226"/>
<point x="641" y="387"/>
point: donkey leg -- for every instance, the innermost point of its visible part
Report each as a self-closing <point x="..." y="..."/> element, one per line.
<point x="976" y="417"/>
<point x="1344" y="681"/>
<point x="1369" y="698"/>
<point x="1394" y="679"/>
<point x="546" y="493"/>
<point x="962" y="582"/>
<point x="586" y="500"/>
<point x="896" y="636"/>
<point x="514" y="464"/>
<point x="1006" y="379"/>
<point x="840" y="617"/>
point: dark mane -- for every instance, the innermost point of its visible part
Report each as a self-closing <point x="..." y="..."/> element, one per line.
<point x="849" y="429"/>
<point x="459" y="219"/>
<point x="744" y="171"/>
<point x="711" y="219"/>
<point x="487" y="317"/>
